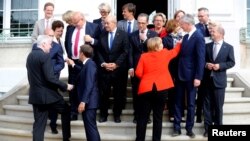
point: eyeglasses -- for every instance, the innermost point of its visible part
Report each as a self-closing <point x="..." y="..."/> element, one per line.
<point x="142" y="23"/>
<point x="103" y="12"/>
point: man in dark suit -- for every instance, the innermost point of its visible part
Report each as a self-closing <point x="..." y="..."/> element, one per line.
<point x="88" y="94"/>
<point x="190" y="72"/>
<point x="43" y="94"/>
<point x="83" y="32"/>
<point x="203" y="17"/>
<point x="219" y="58"/>
<point x="112" y="63"/>
<point x="138" y="45"/>
<point x="56" y="55"/>
<point x="202" y="26"/>
<point x="104" y="10"/>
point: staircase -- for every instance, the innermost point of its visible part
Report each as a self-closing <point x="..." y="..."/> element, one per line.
<point x="16" y="122"/>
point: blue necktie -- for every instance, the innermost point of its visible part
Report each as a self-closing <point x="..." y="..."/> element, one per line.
<point x="129" y="27"/>
<point x="111" y="38"/>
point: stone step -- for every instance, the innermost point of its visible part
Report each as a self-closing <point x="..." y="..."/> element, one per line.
<point x="237" y="103"/>
<point x="24" y="135"/>
<point x="234" y="92"/>
<point x="108" y="127"/>
<point x="229" y="81"/>
<point x="230" y="114"/>
<point x="230" y="102"/>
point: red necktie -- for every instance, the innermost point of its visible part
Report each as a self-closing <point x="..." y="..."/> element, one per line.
<point x="76" y="42"/>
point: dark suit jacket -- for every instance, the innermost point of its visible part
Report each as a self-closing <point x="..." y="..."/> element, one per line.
<point x="204" y="31"/>
<point x="87" y="88"/>
<point x="43" y="82"/>
<point x="119" y="51"/>
<point x="225" y="59"/>
<point x="56" y="55"/>
<point x="137" y="48"/>
<point x="99" y="23"/>
<point x="92" y="29"/>
<point x="192" y="57"/>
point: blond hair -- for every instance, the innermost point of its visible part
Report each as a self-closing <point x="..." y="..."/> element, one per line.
<point x="67" y="16"/>
<point x="154" y="44"/>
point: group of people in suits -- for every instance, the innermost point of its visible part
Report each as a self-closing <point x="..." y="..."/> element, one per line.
<point x="101" y="55"/>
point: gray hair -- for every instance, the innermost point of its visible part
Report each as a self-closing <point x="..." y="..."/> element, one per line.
<point x="143" y="15"/>
<point x="188" y="18"/>
<point x="104" y="6"/>
<point x="43" y="39"/>
<point x="220" y="29"/>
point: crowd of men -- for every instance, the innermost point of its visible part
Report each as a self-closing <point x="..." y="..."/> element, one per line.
<point x="100" y="55"/>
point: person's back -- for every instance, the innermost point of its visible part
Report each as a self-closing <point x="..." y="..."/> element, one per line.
<point x="43" y="92"/>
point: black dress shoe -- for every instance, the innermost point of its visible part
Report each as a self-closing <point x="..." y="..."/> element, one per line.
<point x="117" y="119"/>
<point x="190" y="134"/>
<point x="198" y="120"/>
<point x="134" y="121"/>
<point x="73" y="117"/>
<point x="183" y="119"/>
<point x="176" y="133"/>
<point x="54" y="131"/>
<point x="149" y="121"/>
<point x="102" y="119"/>
<point x="205" y="134"/>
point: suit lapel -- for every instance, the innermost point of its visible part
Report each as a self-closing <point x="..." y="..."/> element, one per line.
<point x="210" y="49"/>
<point x="125" y="25"/>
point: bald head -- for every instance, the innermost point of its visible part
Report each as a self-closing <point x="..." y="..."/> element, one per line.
<point x="49" y="32"/>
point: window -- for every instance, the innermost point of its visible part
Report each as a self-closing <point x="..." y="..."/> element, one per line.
<point x="24" y="14"/>
<point x="1" y="16"/>
<point x="248" y="18"/>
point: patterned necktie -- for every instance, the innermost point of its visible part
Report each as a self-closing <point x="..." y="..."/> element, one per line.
<point x="76" y="42"/>
<point x="111" y="38"/>
<point x="129" y="27"/>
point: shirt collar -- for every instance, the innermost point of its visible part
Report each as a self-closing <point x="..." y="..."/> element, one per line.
<point x="84" y="62"/>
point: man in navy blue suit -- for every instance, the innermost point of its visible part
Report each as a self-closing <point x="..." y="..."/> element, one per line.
<point x="83" y="32"/>
<point x="56" y="55"/>
<point x="219" y="58"/>
<point x="190" y="72"/>
<point x="87" y="90"/>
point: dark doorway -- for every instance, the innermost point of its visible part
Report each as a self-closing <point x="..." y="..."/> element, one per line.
<point x="143" y="6"/>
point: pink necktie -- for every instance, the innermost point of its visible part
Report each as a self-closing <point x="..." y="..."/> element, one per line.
<point x="76" y="42"/>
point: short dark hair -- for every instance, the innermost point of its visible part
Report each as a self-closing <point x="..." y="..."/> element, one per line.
<point x="87" y="50"/>
<point x="57" y="24"/>
<point x="48" y="4"/>
<point x="131" y="7"/>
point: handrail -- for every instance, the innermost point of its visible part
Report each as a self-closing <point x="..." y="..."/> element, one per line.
<point x="9" y="34"/>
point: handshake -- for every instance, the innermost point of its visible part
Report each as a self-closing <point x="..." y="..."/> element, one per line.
<point x="70" y="87"/>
